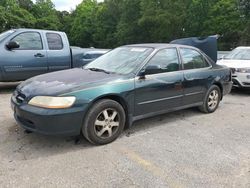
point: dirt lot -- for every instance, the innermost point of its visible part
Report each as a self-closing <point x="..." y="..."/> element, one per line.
<point x="180" y="149"/>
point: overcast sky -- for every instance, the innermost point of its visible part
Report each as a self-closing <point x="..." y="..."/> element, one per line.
<point x="66" y="4"/>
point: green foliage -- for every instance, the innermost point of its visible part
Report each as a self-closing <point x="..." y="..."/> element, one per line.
<point x="46" y="15"/>
<point x="13" y="16"/>
<point x="117" y="22"/>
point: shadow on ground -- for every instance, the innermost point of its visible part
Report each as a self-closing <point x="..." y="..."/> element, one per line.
<point x="8" y="87"/>
<point x="19" y="145"/>
<point x="240" y="91"/>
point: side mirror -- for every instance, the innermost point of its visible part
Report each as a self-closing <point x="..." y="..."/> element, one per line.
<point x="12" y="44"/>
<point x="153" y="69"/>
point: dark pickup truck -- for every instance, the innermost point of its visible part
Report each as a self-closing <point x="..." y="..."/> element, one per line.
<point x="25" y="53"/>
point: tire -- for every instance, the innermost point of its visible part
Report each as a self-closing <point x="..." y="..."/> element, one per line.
<point x="104" y="122"/>
<point x="211" y="100"/>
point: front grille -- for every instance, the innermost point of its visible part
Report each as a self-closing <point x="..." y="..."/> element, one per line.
<point x="20" y="97"/>
<point x="246" y="83"/>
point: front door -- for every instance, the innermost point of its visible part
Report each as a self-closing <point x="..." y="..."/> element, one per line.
<point x="160" y="90"/>
<point x="29" y="60"/>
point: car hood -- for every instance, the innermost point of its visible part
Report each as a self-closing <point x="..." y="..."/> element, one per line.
<point x="234" y="63"/>
<point x="61" y="82"/>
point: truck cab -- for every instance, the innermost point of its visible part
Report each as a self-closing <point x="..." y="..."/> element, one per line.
<point x="25" y="53"/>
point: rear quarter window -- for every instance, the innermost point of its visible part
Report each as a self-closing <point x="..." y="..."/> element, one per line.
<point x="54" y="41"/>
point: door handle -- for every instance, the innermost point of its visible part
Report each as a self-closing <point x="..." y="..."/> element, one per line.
<point x="178" y="85"/>
<point x="39" y="55"/>
<point x="188" y="79"/>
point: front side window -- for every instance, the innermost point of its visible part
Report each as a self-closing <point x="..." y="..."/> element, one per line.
<point x="29" y="41"/>
<point x="192" y="59"/>
<point x="166" y="60"/>
<point x="54" y="41"/>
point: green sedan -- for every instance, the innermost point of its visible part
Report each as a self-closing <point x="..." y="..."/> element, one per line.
<point x="126" y="84"/>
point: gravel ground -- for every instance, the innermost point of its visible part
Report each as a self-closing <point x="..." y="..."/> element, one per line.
<point x="180" y="149"/>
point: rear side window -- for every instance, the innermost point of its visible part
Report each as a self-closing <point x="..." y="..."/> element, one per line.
<point x="29" y="41"/>
<point x="54" y="41"/>
<point x="192" y="59"/>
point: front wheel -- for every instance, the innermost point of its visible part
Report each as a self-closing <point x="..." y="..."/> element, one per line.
<point x="212" y="100"/>
<point x="104" y="122"/>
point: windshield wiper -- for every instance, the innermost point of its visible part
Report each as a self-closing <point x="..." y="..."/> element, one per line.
<point x="99" y="70"/>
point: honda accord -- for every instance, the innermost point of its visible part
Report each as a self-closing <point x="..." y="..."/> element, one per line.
<point x="126" y="84"/>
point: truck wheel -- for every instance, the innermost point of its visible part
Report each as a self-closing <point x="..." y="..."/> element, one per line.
<point x="104" y="122"/>
<point x="211" y="100"/>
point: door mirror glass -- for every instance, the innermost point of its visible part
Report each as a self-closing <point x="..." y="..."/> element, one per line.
<point x="12" y="45"/>
<point x="152" y="69"/>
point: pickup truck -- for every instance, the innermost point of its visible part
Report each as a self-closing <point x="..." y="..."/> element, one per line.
<point x="25" y="53"/>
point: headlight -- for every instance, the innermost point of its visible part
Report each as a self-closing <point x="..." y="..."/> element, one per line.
<point x="52" y="102"/>
<point x="243" y="70"/>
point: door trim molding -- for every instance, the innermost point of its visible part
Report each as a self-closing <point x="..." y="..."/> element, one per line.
<point x="152" y="114"/>
<point x="194" y="93"/>
<point x="158" y="100"/>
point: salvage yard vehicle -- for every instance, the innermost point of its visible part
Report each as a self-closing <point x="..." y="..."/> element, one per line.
<point x="129" y="83"/>
<point x="239" y="62"/>
<point x="25" y="53"/>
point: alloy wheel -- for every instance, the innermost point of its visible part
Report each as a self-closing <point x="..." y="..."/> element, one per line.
<point x="107" y="123"/>
<point x="213" y="99"/>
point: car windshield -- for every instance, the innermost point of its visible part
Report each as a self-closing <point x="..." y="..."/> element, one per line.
<point x="239" y="54"/>
<point x="5" y="34"/>
<point x="122" y="60"/>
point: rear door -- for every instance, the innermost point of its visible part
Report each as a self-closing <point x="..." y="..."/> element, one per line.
<point x="161" y="91"/>
<point x="197" y="75"/>
<point x="59" y="55"/>
<point x="30" y="59"/>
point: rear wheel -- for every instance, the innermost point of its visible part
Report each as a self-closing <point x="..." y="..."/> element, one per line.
<point x="212" y="100"/>
<point x="104" y="122"/>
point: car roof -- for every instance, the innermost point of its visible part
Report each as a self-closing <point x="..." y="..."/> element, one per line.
<point x="159" y="45"/>
<point x="27" y="29"/>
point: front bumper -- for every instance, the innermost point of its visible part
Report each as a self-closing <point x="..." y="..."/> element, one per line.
<point x="61" y="122"/>
<point x="241" y="80"/>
